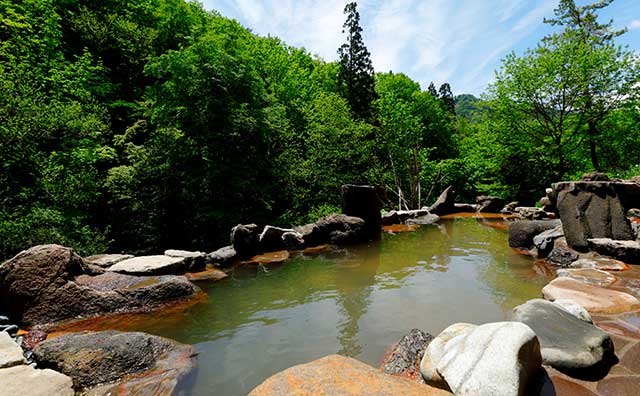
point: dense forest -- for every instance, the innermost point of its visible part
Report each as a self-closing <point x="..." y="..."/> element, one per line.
<point x="143" y="125"/>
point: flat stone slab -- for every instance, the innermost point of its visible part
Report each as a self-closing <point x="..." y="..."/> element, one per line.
<point x="10" y="352"/>
<point x="336" y="375"/>
<point x="25" y="380"/>
<point x="590" y="276"/>
<point x="182" y="253"/>
<point x="626" y="325"/>
<point x="150" y="265"/>
<point x="106" y="260"/>
<point x="627" y="251"/>
<point x="566" y="342"/>
<point x="593" y="298"/>
<point x="600" y="263"/>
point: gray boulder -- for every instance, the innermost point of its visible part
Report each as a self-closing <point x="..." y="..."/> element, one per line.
<point x="562" y="255"/>
<point x="272" y="238"/>
<point x="108" y="357"/>
<point x="335" y="229"/>
<point x="510" y="207"/>
<point x="489" y="204"/>
<point x="544" y="241"/>
<point x="522" y="232"/>
<point x="50" y="283"/>
<point x="424" y="220"/>
<point x="595" y="209"/>
<point x="566" y="342"/>
<point x="223" y="257"/>
<point x="244" y="239"/>
<point x="193" y="261"/>
<point x="445" y="204"/>
<point x="627" y="251"/>
<point x="531" y="213"/>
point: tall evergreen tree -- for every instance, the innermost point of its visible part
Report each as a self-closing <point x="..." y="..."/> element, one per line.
<point x="447" y="98"/>
<point x="355" y="75"/>
<point x="432" y="90"/>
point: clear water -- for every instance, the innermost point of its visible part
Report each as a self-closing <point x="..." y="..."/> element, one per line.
<point x="356" y="303"/>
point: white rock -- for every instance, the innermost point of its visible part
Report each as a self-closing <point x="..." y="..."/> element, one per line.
<point x="574" y="309"/>
<point x="10" y="352"/>
<point x="107" y="260"/>
<point x="150" y="265"/>
<point x="435" y="350"/>
<point x="25" y="380"/>
<point x="491" y="359"/>
<point x="182" y="253"/>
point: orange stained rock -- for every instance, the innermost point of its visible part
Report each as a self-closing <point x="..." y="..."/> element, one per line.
<point x="400" y="228"/>
<point x="593" y="298"/>
<point x="337" y="375"/>
<point x="317" y="249"/>
<point x="212" y="274"/>
<point x="269" y="258"/>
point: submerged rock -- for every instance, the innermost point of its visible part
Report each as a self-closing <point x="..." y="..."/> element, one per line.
<point x="491" y="359"/>
<point x="26" y="380"/>
<point x="593" y="298"/>
<point x="566" y="342"/>
<point x="336" y="375"/>
<point x="445" y="204"/>
<point x="107" y="357"/>
<point x="404" y="359"/>
<point x="48" y="283"/>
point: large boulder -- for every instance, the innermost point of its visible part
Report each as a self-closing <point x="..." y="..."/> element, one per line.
<point x="363" y="202"/>
<point x="49" y="283"/>
<point x="595" y="209"/>
<point x="627" y="251"/>
<point x="404" y="359"/>
<point x="336" y="375"/>
<point x="25" y="380"/>
<point x="244" y="239"/>
<point x="489" y="204"/>
<point x="566" y="342"/>
<point x="491" y="359"/>
<point x="151" y="265"/>
<point x="275" y="238"/>
<point x="107" y="359"/>
<point x="593" y="298"/>
<point x="335" y="229"/>
<point x="435" y="350"/>
<point x="522" y="232"/>
<point x="445" y="204"/>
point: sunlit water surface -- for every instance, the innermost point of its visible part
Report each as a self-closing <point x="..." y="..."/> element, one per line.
<point x="356" y="303"/>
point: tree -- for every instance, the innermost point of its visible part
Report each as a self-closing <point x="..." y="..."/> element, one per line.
<point x="356" y="70"/>
<point x="606" y="77"/>
<point x="432" y="90"/>
<point x="446" y="96"/>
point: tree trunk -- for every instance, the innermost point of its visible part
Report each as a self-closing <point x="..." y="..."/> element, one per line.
<point x="593" y="133"/>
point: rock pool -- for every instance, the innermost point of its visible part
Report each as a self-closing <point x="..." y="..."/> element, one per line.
<point x="355" y="302"/>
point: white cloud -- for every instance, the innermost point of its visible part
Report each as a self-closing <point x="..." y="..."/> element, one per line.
<point x="635" y="24"/>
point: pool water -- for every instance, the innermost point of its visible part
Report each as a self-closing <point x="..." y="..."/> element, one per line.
<point x="355" y="302"/>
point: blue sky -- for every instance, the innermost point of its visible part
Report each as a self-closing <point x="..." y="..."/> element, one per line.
<point x="457" y="41"/>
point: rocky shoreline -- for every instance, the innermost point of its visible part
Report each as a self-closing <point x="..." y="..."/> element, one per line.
<point x="583" y="336"/>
